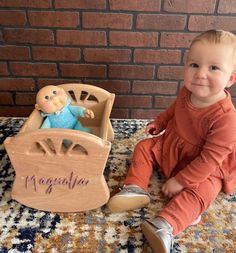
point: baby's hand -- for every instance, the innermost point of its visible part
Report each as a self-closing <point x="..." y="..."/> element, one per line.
<point x="151" y="128"/>
<point x="171" y="187"/>
<point x="88" y="114"/>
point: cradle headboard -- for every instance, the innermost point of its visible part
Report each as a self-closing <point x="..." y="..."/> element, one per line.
<point x="91" y="97"/>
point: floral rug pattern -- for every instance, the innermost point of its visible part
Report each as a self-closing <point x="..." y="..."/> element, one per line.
<point x="26" y="230"/>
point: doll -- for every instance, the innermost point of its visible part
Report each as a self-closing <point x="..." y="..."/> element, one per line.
<point x="55" y="107"/>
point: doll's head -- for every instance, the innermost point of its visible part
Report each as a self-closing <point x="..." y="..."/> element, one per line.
<point x="51" y="99"/>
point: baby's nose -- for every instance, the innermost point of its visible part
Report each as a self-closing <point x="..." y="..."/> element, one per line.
<point x="201" y="73"/>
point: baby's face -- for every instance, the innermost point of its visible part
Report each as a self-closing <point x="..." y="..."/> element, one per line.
<point x="51" y="99"/>
<point x="209" y="70"/>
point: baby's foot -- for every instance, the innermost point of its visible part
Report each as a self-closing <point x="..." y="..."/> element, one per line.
<point x="129" y="198"/>
<point x="158" y="233"/>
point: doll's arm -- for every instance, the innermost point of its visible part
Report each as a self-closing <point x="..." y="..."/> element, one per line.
<point x="46" y="123"/>
<point x="88" y="113"/>
<point x="81" y="111"/>
<point x="77" y="110"/>
<point x="219" y="144"/>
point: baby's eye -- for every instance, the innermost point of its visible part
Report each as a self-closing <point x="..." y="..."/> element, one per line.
<point x="193" y="65"/>
<point x="54" y="92"/>
<point x="214" y="67"/>
<point x="46" y="97"/>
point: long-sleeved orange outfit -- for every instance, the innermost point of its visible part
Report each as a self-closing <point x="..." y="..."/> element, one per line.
<point x="198" y="148"/>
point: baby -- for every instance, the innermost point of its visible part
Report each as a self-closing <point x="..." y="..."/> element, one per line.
<point x="197" y="150"/>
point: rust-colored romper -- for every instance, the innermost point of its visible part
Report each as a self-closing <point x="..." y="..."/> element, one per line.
<point x="198" y="148"/>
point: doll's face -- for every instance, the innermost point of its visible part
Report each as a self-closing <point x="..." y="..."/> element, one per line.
<point x="51" y="99"/>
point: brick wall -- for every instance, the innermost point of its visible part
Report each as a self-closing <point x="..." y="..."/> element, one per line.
<point x="134" y="48"/>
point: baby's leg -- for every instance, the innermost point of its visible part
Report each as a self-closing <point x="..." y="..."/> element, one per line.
<point x="185" y="207"/>
<point x="134" y="194"/>
<point x="141" y="167"/>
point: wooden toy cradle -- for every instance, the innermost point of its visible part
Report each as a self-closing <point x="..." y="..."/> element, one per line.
<point x="51" y="176"/>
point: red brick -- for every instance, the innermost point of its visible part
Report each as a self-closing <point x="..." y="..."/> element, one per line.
<point x="33" y="69"/>
<point x="131" y="72"/>
<point x="33" y="36"/>
<point x="56" y="53"/>
<point x="157" y="56"/>
<point x="6" y="98"/>
<point x="227" y="6"/>
<point x="83" y="70"/>
<point x="134" y="39"/>
<point x="107" y="20"/>
<point x="234" y="102"/>
<point x="81" y="4"/>
<point x="186" y="6"/>
<point x="17" y="84"/>
<point x="54" y="18"/>
<point x="55" y="81"/>
<point x="202" y="23"/>
<point x="154" y="87"/>
<point x="107" y="55"/>
<point x="11" y="17"/>
<point x="176" y="40"/>
<point x="124" y="101"/>
<point x="232" y="90"/>
<point x="161" y="22"/>
<point x="163" y="102"/>
<point x="120" y="113"/>
<point x="135" y="5"/>
<point x="16" y="111"/>
<point x="170" y="72"/>
<point x="114" y="86"/>
<point x="26" y="3"/>
<point x="14" y="53"/>
<point x="25" y="98"/>
<point x="3" y="69"/>
<point x="144" y="114"/>
<point x="74" y="37"/>
<point x="185" y="55"/>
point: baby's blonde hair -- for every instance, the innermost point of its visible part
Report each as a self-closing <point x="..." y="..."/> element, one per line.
<point x="218" y="37"/>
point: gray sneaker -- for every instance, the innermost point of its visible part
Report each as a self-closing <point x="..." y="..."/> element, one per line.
<point x="130" y="198"/>
<point x="158" y="233"/>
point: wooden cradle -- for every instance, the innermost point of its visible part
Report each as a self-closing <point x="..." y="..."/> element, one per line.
<point x="53" y="177"/>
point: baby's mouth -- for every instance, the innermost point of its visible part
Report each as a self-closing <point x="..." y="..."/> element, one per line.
<point x="198" y="84"/>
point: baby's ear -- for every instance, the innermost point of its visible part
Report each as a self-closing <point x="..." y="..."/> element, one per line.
<point x="232" y="80"/>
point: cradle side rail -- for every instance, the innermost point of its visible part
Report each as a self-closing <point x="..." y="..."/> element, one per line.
<point x="52" y="175"/>
<point x="106" y="131"/>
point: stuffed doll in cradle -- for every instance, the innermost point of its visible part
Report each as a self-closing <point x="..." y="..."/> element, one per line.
<point x="55" y="107"/>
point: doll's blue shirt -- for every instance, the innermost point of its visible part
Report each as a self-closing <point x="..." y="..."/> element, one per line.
<point x="66" y="118"/>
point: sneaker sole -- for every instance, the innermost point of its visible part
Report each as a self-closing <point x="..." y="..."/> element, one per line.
<point x="153" y="239"/>
<point x="195" y="222"/>
<point x="126" y="203"/>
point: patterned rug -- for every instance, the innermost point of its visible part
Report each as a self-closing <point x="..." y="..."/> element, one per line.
<point x="23" y="229"/>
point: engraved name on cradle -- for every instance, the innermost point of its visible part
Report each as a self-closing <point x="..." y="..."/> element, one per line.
<point x="70" y="182"/>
